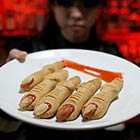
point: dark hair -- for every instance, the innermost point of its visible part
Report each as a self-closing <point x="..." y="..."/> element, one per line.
<point x="88" y="3"/>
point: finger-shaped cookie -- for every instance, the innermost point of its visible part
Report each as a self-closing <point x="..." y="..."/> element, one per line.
<point x="72" y="106"/>
<point x="33" y="79"/>
<point x="29" y="100"/>
<point x="97" y="105"/>
<point x="49" y="104"/>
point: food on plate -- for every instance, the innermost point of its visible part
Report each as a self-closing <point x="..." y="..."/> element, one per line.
<point x="97" y="105"/>
<point x="33" y="79"/>
<point x="31" y="97"/>
<point x="71" y="107"/>
<point x="49" y="92"/>
<point x="49" y="104"/>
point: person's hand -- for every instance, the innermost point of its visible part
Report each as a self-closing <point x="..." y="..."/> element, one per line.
<point x="17" y="54"/>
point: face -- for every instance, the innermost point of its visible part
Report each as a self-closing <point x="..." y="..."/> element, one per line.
<point x="75" y="19"/>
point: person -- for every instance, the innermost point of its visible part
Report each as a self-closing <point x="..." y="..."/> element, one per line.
<point x="72" y="24"/>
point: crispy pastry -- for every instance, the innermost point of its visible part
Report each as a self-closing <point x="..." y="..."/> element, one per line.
<point x="97" y="105"/>
<point x="29" y="100"/>
<point x="71" y="108"/>
<point x="49" y="104"/>
<point x="33" y="79"/>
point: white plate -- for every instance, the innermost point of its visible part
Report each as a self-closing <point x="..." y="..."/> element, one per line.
<point x="123" y="109"/>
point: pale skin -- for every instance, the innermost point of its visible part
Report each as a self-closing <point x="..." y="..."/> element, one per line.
<point x="17" y="54"/>
<point x="75" y="23"/>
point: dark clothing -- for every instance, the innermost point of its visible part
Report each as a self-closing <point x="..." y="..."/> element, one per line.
<point x="51" y="38"/>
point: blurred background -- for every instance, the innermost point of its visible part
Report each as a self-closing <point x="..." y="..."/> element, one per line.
<point x="120" y="23"/>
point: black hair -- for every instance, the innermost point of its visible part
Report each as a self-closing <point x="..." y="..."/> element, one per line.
<point x="95" y="2"/>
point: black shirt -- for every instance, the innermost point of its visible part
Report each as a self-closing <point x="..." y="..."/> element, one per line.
<point x="51" y="38"/>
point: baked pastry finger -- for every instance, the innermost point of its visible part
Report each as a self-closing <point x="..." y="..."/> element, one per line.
<point x="29" y="100"/>
<point x="49" y="104"/>
<point x="71" y="108"/>
<point x="33" y="79"/>
<point x="97" y="105"/>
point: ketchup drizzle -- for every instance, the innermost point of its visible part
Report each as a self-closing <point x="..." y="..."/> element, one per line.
<point x="105" y="75"/>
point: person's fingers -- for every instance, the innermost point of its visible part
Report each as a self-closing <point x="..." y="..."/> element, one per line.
<point x="17" y="54"/>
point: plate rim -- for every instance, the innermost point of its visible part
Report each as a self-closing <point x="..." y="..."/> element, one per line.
<point x="29" y="56"/>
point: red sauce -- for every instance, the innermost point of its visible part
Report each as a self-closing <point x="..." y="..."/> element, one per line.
<point x="33" y="97"/>
<point x="105" y="75"/>
<point x="70" y="106"/>
<point x="32" y="81"/>
<point x="49" y="106"/>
